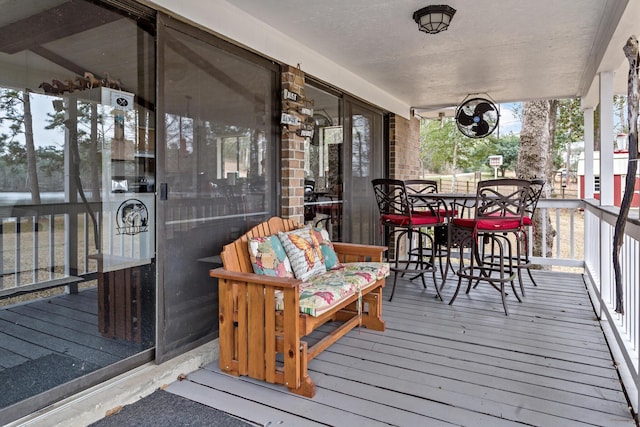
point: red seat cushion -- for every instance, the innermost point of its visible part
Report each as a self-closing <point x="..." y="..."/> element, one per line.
<point x="440" y="211"/>
<point x="525" y="219"/>
<point x="488" y="224"/>
<point x="403" y="220"/>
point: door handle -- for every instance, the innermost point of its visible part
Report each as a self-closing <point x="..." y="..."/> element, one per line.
<point x="164" y="191"/>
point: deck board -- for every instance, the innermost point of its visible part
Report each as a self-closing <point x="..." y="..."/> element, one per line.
<point x="58" y="329"/>
<point x="70" y="313"/>
<point x="65" y="333"/>
<point x="546" y="364"/>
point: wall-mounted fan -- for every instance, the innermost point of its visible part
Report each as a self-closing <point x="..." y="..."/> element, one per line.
<point x="477" y="117"/>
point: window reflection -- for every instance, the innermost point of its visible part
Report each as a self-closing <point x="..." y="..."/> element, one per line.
<point x="219" y="168"/>
<point x="77" y="167"/>
<point x="360" y="146"/>
<point x="218" y="128"/>
<point x="323" y="163"/>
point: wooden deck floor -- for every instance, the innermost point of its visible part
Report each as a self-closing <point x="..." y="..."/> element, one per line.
<point x="547" y="364"/>
<point x="48" y="342"/>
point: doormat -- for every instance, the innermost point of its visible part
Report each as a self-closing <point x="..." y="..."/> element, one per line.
<point x="162" y="408"/>
<point x="39" y="375"/>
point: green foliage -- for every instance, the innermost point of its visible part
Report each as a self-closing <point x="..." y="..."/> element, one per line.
<point x="569" y="129"/>
<point x="437" y="144"/>
<point x="441" y="141"/>
<point x="11" y="116"/>
<point x="508" y="147"/>
<point x="13" y="150"/>
<point x="570" y="122"/>
<point x="620" y="110"/>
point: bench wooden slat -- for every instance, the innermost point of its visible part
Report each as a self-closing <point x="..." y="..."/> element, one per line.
<point x="291" y="338"/>
<point x="270" y="325"/>
<point x="256" y="327"/>
<point x="226" y="330"/>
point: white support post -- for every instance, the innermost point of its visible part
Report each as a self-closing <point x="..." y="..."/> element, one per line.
<point x="589" y="183"/>
<point x="606" y="139"/>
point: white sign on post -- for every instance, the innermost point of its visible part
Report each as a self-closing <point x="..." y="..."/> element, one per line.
<point x="495" y="162"/>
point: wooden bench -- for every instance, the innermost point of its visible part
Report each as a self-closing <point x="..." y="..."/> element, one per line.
<point x="267" y="344"/>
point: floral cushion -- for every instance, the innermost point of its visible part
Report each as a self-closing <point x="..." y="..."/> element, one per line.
<point x="268" y="257"/>
<point x="321" y="293"/>
<point x="303" y="249"/>
<point x="370" y="271"/>
<point x="326" y="247"/>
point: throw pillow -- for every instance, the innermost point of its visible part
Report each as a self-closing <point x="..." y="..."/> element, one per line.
<point x="326" y="247"/>
<point x="268" y="257"/>
<point x="303" y="250"/>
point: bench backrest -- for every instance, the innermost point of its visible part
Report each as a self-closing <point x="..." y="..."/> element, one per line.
<point x="235" y="255"/>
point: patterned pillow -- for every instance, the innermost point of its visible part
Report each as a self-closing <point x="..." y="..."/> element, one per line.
<point x="303" y="250"/>
<point x="326" y="247"/>
<point x="268" y="257"/>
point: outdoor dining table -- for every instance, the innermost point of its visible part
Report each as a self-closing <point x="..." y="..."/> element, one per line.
<point x="450" y="200"/>
<point x="454" y="205"/>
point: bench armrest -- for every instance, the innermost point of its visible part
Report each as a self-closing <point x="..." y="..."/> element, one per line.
<point x="350" y="252"/>
<point x="278" y="282"/>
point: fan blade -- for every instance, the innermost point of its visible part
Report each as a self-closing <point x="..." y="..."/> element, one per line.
<point x="464" y="119"/>
<point x="482" y="108"/>
<point x="482" y="128"/>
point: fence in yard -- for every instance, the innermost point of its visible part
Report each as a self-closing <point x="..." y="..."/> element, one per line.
<point x="467" y="183"/>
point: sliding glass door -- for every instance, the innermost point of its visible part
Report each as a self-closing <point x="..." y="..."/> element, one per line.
<point x="216" y="177"/>
<point x="364" y="161"/>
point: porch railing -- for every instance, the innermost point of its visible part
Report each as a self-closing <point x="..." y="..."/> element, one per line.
<point x="567" y="219"/>
<point x="622" y="331"/>
<point x="45" y="246"/>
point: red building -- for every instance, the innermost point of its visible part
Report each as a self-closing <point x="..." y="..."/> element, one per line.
<point x="620" y="161"/>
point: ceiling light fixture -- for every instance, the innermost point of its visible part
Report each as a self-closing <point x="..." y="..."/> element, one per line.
<point x="434" y="19"/>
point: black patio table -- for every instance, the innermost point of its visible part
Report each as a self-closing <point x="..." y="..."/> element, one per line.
<point x="456" y="205"/>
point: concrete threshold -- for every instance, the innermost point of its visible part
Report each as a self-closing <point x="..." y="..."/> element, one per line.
<point x="97" y="402"/>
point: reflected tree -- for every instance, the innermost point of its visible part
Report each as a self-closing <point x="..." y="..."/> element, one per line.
<point x="15" y="114"/>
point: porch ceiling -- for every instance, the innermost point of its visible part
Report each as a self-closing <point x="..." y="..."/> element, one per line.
<point x="511" y="50"/>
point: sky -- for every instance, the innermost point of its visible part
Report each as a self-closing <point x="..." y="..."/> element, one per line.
<point x="509" y="122"/>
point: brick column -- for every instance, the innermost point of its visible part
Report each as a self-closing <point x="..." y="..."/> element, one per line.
<point x="404" y="147"/>
<point x="292" y="150"/>
<point x="404" y="155"/>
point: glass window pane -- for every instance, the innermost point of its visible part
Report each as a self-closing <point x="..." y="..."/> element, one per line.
<point x="220" y="168"/>
<point x="323" y="163"/>
<point x="77" y="168"/>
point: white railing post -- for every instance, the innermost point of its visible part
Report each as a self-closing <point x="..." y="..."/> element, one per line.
<point x="589" y="183"/>
<point x="605" y="263"/>
<point x="606" y="138"/>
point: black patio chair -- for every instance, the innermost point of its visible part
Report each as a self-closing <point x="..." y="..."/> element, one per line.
<point x="499" y="213"/>
<point x="398" y="219"/>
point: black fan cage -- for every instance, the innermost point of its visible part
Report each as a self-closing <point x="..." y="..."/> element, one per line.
<point x="477" y="117"/>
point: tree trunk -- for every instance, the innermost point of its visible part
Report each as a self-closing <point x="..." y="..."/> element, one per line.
<point x="535" y="160"/>
<point x="32" y="166"/>
<point x="631" y="52"/>
<point x="93" y="154"/>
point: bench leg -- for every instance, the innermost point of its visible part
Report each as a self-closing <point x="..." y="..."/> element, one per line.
<point x="307" y="387"/>
<point x="372" y="318"/>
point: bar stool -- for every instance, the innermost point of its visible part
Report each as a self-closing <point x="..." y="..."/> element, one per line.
<point x="500" y="211"/>
<point x="422" y="195"/>
<point x="535" y="191"/>
<point x="522" y="235"/>
<point x="397" y="217"/>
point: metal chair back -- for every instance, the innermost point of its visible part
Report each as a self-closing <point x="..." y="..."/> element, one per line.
<point x="505" y="197"/>
<point x="391" y="197"/>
